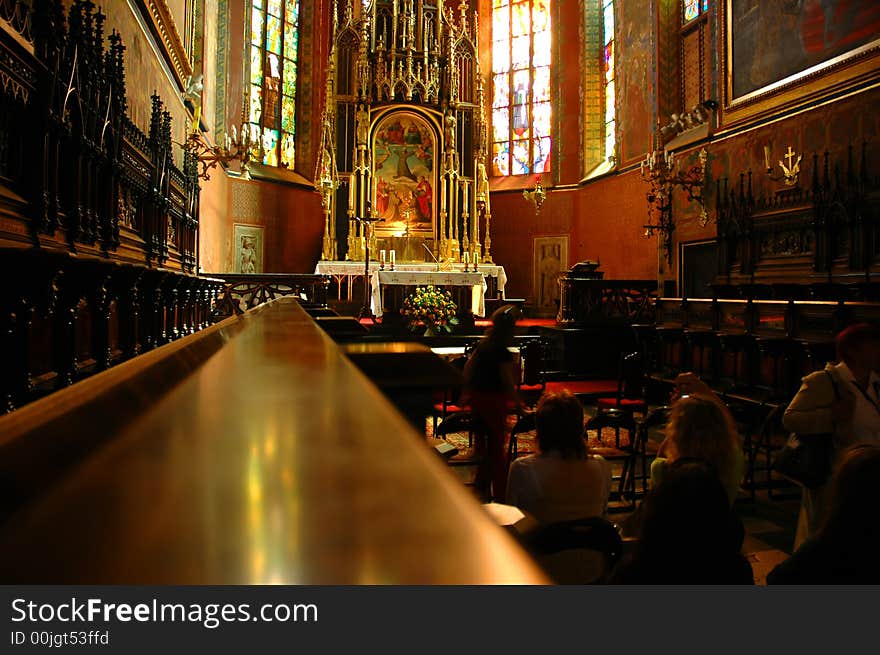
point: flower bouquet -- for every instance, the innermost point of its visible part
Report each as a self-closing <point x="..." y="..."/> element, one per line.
<point x="430" y="309"/>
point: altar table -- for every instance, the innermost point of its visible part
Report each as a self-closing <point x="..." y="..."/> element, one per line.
<point x="477" y="282"/>
<point x="345" y="272"/>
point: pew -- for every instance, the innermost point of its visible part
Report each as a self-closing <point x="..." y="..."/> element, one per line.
<point x="251" y="452"/>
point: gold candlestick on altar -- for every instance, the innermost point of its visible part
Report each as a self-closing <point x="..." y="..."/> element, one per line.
<point x="487" y="252"/>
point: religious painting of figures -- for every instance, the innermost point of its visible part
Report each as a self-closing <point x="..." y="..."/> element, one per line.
<point x="550" y="259"/>
<point x="247" y="245"/>
<point x="777" y="42"/>
<point x="404" y="151"/>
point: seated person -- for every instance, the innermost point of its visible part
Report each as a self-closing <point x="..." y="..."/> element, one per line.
<point x="701" y="427"/>
<point x="563" y="481"/>
<point x="689" y="533"/>
<point x="845" y="548"/>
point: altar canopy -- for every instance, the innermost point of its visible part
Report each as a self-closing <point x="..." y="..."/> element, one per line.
<point x="404" y="133"/>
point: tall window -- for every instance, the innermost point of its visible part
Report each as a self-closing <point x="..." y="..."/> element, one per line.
<point x="693" y="8"/>
<point x="608" y="60"/>
<point x="273" y="57"/>
<point x="521" y="109"/>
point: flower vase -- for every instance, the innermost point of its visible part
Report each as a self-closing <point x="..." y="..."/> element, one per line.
<point x="430" y="331"/>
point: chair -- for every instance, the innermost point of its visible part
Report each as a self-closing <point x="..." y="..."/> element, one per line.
<point x="478" y="437"/>
<point x="583" y="551"/>
<point x="621" y="448"/>
<point x="449" y="402"/>
<point x="525" y="423"/>
<point x="531" y="382"/>
<point x="631" y="385"/>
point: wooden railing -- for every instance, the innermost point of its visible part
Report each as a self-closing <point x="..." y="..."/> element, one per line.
<point x="252" y="452"/>
<point x="245" y="291"/>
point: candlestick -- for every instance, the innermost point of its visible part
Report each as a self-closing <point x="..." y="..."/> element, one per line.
<point x="393" y="257"/>
<point x="466" y="260"/>
<point x="382" y="259"/>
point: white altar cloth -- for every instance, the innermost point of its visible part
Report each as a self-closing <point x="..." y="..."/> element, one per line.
<point x="347" y="271"/>
<point x="477" y="282"/>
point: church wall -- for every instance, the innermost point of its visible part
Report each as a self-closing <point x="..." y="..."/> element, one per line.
<point x="145" y="71"/>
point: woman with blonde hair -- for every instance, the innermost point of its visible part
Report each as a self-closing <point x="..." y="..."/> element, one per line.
<point x="701" y="427"/>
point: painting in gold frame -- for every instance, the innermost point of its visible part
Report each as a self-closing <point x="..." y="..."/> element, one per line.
<point x="781" y="55"/>
<point x="405" y="156"/>
<point x="550" y="258"/>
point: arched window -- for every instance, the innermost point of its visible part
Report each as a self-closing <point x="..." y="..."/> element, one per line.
<point x="609" y="76"/>
<point x="521" y="110"/>
<point x="600" y="77"/>
<point x="273" y="58"/>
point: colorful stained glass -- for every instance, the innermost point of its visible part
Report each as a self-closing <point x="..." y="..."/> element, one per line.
<point x="272" y="98"/>
<point x="270" y="147"/>
<point x="541" y="88"/>
<point x="256" y="65"/>
<point x="541" y="115"/>
<point x="501" y="123"/>
<point x="256" y="103"/>
<point x="608" y="57"/>
<point x="541" y="148"/>
<point x="540" y="17"/>
<point x="501" y="158"/>
<point x="501" y="26"/>
<point x="705" y="6"/>
<point x="288" y="151"/>
<point x="609" y="61"/>
<point x="501" y="56"/>
<point x="288" y="85"/>
<point x="273" y="34"/>
<point x="520" y="52"/>
<point x="608" y="21"/>
<point x="502" y="90"/>
<point x="542" y="55"/>
<point x="522" y="19"/>
<point x="691" y="9"/>
<point x="257" y="27"/>
<point x="609" y="100"/>
<point x="291" y="40"/>
<point x="521" y="164"/>
<point x="521" y="86"/>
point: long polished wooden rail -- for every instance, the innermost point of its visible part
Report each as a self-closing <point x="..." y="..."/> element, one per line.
<point x="253" y="452"/>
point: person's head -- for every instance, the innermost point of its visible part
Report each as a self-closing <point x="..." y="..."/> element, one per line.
<point x="503" y="324"/>
<point x="559" y="424"/>
<point x="854" y="500"/>
<point x="859" y="346"/>
<point x="699" y="427"/>
<point x="688" y="513"/>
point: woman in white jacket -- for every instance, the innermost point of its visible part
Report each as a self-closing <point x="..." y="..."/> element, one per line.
<point x="841" y="400"/>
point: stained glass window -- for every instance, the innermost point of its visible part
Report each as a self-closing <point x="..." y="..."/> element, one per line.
<point x="274" y="48"/>
<point x="693" y="8"/>
<point x="608" y="79"/>
<point x="521" y="109"/>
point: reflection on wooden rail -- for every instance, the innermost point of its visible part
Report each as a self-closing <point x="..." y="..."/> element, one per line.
<point x="252" y="452"/>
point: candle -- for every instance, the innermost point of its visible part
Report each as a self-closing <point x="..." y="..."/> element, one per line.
<point x="382" y="257"/>
<point x="442" y="194"/>
<point x="466" y="258"/>
<point x="476" y="261"/>
<point x="393" y="258"/>
<point x="767" y="158"/>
